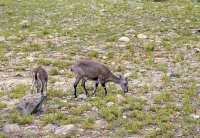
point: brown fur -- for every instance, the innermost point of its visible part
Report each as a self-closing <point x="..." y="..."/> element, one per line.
<point x="40" y="79"/>
<point x="91" y="70"/>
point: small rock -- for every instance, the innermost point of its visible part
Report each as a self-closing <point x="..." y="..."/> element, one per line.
<point x="11" y="128"/>
<point x="141" y="36"/>
<point x="94" y="108"/>
<point x="100" y="124"/>
<point x="12" y="38"/>
<point x="31" y="59"/>
<point x="50" y="128"/>
<point x="109" y="104"/>
<point x="124" y="116"/>
<point x="124" y="39"/>
<point x="82" y="96"/>
<point x="2" y="39"/>
<point x="25" y="24"/>
<point x="120" y="99"/>
<point x="62" y="72"/>
<point x="66" y="129"/>
<point x="195" y="116"/>
<point x="31" y="103"/>
<point x="197" y="50"/>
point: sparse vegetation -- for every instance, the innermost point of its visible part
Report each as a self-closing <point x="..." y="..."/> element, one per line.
<point x="19" y="91"/>
<point x="160" y="56"/>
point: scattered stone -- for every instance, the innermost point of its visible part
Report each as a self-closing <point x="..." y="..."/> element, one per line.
<point x="197" y="50"/>
<point x="82" y="96"/>
<point x="100" y="124"/>
<point x="195" y="116"/>
<point x="196" y="31"/>
<point x="66" y="130"/>
<point x="141" y="36"/>
<point x="109" y="104"/>
<point x="12" y="38"/>
<point x="124" y="39"/>
<point x="11" y="128"/>
<point x="62" y="72"/>
<point x="120" y="99"/>
<point x="25" y="24"/>
<point x="31" y="103"/>
<point x="2" y="39"/>
<point x="30" y="58"/>
<point x="50" y="128"/>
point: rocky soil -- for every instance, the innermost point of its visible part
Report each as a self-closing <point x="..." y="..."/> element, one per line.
<point x="155" y="43"/>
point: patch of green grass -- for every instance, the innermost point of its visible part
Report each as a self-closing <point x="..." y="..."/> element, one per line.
<point x="134" y="103"/>
<point x="32" y="48"/>
<point x="133" y="126"/>
<point x="187" y="105"/>
<point x="2" y="135"/>
<point x="149" y="47"/>
<point x="19" y="91"/>
<point x="2" y="93"/>
<point x="16" y="117"/>
<point x="79" y="109"/>
<point x="2" y="105"/>
<point x="53" y="118"/>
<point x="53" y="71"/>
<point x="56" y="93"/>
<point x="111" y="113"/>
<point x="56" y="63"/>
<point x="93" y="54"/>
<point x="163" y="98"/>
<point x="88" y="123"/>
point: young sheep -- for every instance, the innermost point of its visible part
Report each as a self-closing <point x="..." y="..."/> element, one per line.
<point x="91" y="70"/>
<point x="40" y="79"/>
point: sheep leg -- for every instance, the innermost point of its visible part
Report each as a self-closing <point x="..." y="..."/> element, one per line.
<point x="33" y="83"/>
<point x="83" y="85"/>
<point x="42" y="88"/>
<point x="95" y="87"/>
<point x="104" y="86"/>
<point x="75" y="85"/>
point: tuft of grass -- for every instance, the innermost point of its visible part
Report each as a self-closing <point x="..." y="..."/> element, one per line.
<point x="2" y="135"/>
<point x="16" y="117"/>
<point x="133" y="126"/>
<point x="53" y="118"/>
<point x="56" y="93"/>
<point x="2" y="105"/>
<point x="53" y="71"/>
<point x="80" y="109"/>
<point x="93" y="54"/>
<point x="149" y="47"/>
<point x="88" y="123"/>
<point x="111" y="113"/>
<point x="19" y="91"/>
<point x="163" y="98"/>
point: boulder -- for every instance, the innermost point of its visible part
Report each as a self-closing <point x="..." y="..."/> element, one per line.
<point x="11" y="128"/>
<point x="120" y="99"/>
<point x="100" y="124"/>
<point x="66" y="130"/>
<point x="124" y="39"/>
<point x="31" y="103"/>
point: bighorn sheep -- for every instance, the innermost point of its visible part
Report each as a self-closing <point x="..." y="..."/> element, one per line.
<point x="91" y="70"/>
<point x="40" y="79"/>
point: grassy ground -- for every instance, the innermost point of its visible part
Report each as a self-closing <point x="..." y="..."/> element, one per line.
<point x="162" y="65"/>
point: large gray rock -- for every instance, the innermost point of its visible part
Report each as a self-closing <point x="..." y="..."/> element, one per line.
<point x="66" y="129"/>
<point x="31" y="103"/>
<point x="11" y="128"/>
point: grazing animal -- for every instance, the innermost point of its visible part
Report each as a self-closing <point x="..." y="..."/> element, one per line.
<point x="40" y="79"/>
<point x="91" y="70"/>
